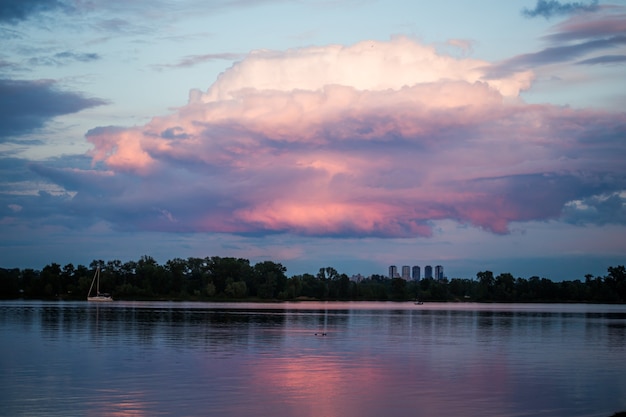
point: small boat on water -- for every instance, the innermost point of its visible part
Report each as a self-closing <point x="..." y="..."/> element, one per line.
<point x="99" y="296"/>
<point x="418" y="302"/>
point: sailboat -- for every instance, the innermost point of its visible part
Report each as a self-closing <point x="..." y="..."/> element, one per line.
<point x="99" y="296"/>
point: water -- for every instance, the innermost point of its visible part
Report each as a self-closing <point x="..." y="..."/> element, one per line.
<point x="311" y="359"/>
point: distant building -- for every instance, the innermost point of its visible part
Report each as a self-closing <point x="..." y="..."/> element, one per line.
<point x="439" y="272"/>
<point x="357" y="278"/>
<point x="393" y="271"/>
<point x="416" y="273"/>
<point x="406" y="272"/>
<point x="428" y="272"/>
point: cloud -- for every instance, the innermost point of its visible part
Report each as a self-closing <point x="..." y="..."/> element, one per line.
<point x="192" y="60"/>
<point x="608" y="22"/>
<point x="597" y="209"/>
<point x="26" y="105"/>
<point x="14" y="11"/>
<point x="64" y="58"/>
<point x="578" y="38"/>
<point x="391" y="65"/>
<point x="81" y="57"/>
<point x="375" y="139"/>
<point x="556" y="54"/>
<point x="551" y="8"/>
<point x="604" y="59"/>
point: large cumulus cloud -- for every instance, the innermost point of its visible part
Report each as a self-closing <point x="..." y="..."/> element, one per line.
<point x="374" y="139"/>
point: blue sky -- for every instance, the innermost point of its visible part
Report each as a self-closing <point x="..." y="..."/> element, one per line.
<point x="353" y="134"/>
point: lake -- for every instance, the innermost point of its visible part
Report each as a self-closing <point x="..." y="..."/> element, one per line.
<point x="312" y="359"/>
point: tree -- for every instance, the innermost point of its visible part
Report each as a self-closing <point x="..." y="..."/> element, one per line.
<point x="149" y="276"/>
<point x="31" y="284"/>
<point x="460" y="288"/>
<point x="312" y="286"/>
<point x="176" y="271"/>
<point x="293" y="290"/>
<point x="220" y="269"/>
<point x="51" y="280"/>
<point x="235" y="289"/>
<point x="616" y="281"/>
<point x="485" y="285"/>
<point x="270" y="278"/>
<point x="198" y="276"/>
<point x="327" y="274"/>
<point x="9" y="283"/>
<point x="398" y="289"/>
<point x="504" y="287"/>
<point x="69" y="280"/>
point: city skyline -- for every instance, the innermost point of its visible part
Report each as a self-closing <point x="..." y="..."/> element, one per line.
<point x="486" y="136"/>
<point x="413" y="272"/>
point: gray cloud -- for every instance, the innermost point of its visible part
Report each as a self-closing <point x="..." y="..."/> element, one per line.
<point x="63" y="58"/>
<point x="26" y="105"/>
<point x="13" y="170"/>
<point x="573" y="41"/>
<point x="73" y="56"/>
<point x="598" y="209"/>
<point x="553" y="55"/>
<point x="604" y="59"/>
<point x="192" y="60"/>
<point x="551" y="8"/>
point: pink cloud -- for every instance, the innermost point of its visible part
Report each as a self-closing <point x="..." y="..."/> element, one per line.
<point x="376" y="139"/>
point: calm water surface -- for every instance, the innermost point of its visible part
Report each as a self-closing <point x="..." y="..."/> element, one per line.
<point x="311" y="359"/>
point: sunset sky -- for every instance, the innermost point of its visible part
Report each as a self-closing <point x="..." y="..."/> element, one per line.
<point x="355" y="134"/>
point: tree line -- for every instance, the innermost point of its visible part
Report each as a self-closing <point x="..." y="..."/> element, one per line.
<point x="226" y="278"/>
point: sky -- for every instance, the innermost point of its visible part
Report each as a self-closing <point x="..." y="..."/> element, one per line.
<point x="355" y="134"/>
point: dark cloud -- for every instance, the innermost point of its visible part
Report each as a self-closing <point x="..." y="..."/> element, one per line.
<point x="192" y="60"/>
<point x="553" y="55"/>
<point x="14" y="11"/>
<point x="26" y="105"/>
<point x="604" y="59"/>
<point x="43" y="194"/>
<point x="574" y="41"/>
<point x="63" y="58"/>
<point x="13" y="170"/>
<point x="551" y="8"/>
<point x="598" y="209"/>
<point x="27" y="197"/>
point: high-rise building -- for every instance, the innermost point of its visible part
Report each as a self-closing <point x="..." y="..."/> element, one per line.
<point x="406" y="272"/>
<point x="428" y="272"/>
<point x="439" y="272"/>
<point x="393" y="271"/>
<point x="416" y="273"/>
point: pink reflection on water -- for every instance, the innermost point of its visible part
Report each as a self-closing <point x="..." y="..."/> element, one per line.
<point x="381" y="383"/>
<point x="317" y="385"/>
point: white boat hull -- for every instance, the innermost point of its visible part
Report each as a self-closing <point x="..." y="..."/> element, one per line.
<point x="100" y="298"/>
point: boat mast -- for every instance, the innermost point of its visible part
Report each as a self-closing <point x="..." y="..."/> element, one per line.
<point x="96" y="275"/>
